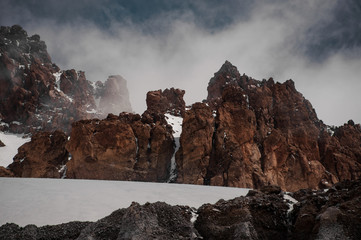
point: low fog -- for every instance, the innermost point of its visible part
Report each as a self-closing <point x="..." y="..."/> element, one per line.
<point x="271" y="40"/>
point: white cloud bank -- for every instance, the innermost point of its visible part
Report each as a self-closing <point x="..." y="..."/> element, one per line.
<point x="185" y="55"/>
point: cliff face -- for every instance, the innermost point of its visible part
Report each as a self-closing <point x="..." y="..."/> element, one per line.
<point x="262" y="133"/>
<point x="247" y="133"/>
<point x="36" y="95"/>
<point x="124" y="147"/>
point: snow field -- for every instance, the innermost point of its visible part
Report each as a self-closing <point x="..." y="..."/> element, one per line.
<point x="42" y="201"/>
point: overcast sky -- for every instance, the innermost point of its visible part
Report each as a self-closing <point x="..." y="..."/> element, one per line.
<point x="168" y="43"/>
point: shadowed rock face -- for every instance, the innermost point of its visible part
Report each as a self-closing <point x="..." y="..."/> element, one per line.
<point x="263" y="133"/>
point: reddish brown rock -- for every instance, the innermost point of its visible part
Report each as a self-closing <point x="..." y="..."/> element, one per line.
<point x="120" y="148"/>
<point x="195" y="151"/>
<point x="167" y="101"/>
<point x="43" y="157"/>
<point x="114" y="96"/>
<point x="266" y="133"/>
<point x="5" y="172"/>
<point x="35" y="95"/>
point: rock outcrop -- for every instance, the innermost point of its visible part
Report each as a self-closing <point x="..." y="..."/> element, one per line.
<point x="44" y="156"/>
<point x="167" y="101"/>
<point x="36" y="95"/>
<point x="252" y="133"/>
<point x="259" y="216"/>
<point x="114" y="96"/>
<point x="265" y="214"/>
<point x="332" y="214"/>
<point x="124" y="147"/>
<point x="150" y="221"/>
<point x="5" y="172"/>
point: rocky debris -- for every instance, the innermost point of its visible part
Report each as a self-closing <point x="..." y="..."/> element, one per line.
<point x="5" y="172"/>
<point x="36" y="95"/>
<point x="252" y="217"/>
<point x="259" y="133"/>
<point x="44" y="156"/>
<point x="332" y="214"/>
<point x="2" y="144"/>
<point x="150" y="221"/>
<point x="114" y="96"/>
<point x="124" y="147"/>
<point x="66" y="231"/>
<point x="167" y="101"/>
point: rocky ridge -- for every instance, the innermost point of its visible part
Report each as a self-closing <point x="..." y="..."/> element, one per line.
<point x="265" y="214"/>
<point x="247" y="133"/>
<point x="36" y="95"/>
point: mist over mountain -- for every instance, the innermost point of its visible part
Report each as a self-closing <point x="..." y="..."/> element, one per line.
<point x="176" y="44"/>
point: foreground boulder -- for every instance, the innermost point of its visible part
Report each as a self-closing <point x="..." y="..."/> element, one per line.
<point x="253" y="217"/>
<point x="150" y="221"/>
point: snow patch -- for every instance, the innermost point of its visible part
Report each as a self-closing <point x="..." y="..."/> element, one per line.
<point x="12" y="143"/>
<point x="291" y="201"/>
<point x="176" y="123"/>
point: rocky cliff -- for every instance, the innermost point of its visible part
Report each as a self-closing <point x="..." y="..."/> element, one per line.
<point x="36" y="95"/>
<point x="251" y="133"/>
<point x="247" y="133"/>
<point x="265" y="214"/>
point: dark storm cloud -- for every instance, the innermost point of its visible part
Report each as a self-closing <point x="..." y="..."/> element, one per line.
<point x="159" y="44"/>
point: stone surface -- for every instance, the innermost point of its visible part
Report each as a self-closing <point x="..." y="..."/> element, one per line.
<point x="264" y="133"/>
<point x="332" y="214"/>
<point x="252" y="217"/>
<point x="36" y="95"/>
<point x="150" y="221"/>
<point x="167" y="101"/>
<point x="124" y="147"/>
<point x="43" y="157"/>
<point x="5" y="172"/>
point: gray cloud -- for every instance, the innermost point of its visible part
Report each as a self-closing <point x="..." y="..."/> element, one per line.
<point x="262" y="39"/>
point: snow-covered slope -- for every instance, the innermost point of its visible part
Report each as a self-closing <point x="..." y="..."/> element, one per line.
<point x="12" y="143"/>
<point x="54" y="201"/>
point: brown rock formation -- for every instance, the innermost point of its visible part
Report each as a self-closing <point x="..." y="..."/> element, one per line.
<point x="114" y="96"/>
<point x="264" y="133"/>
<point x="169" y="100"/>
<point x="30" y="93"/>
<point x="5" y="172"/>
<point x="43" y="157"/>
<point x="128" y="147"/>
<point x="195" y="151"/>
<point x="36" y="95"/>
